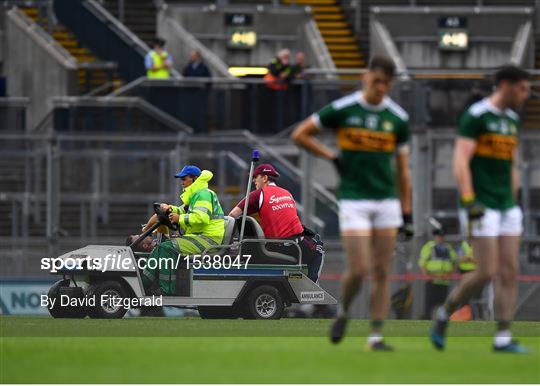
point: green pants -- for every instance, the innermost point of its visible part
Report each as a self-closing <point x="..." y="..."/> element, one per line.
<point x="160" y="271"/>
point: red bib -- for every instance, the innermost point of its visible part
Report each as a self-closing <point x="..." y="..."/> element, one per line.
<point x="277" y="211"/>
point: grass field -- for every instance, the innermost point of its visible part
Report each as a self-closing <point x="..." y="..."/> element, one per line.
<point x="154" y="350"/>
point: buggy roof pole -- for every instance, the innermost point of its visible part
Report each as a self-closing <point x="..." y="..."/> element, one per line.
<point x="254" y="160"/>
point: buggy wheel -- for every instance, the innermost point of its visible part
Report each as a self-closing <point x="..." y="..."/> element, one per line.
<point x="265" y="302"/>
<point x="68" y="311"/>
<point x="108" y="295"/>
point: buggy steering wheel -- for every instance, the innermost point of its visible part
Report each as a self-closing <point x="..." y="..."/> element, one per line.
<point x="163" y="217"/>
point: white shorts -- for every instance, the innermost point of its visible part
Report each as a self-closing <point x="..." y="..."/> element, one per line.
<point x="369" y="214"/>
<point x="494" y="223"/>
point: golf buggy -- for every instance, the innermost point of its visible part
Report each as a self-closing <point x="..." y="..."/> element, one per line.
<point x="261" y="288"/>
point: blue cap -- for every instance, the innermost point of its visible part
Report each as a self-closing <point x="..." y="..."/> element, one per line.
<point x="187" y="170"/>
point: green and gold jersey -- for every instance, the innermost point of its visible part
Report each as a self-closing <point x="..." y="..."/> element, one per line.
<point x="496" y="136"/>
<point x="368" y="136"/>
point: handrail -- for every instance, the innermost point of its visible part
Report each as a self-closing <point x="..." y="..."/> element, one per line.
<point x="315" y="39"/>
<point x="123" y="32"/>
<point x="214" y="61"/>
<point x="324" y="194"/>
<point x="140" y="103"/>
<point x="34" y="30"/>
<point x="127" y="87"/>
<point x="380" y="32"/>
<point x="99" y="89"/>
<point x="521" y="43"/>
<point x="454" y="10"/>
<point x="14" y="101"/>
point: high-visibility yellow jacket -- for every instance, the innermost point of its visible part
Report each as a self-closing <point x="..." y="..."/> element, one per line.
<point x="158" y="61"/>
<point x="438" y="260"/>
<point x="465" y="249"/>
<point x="201" y="213"/>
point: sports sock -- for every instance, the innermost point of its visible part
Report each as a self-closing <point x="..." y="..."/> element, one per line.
<point x="502" y="338"/>
<point x="374" y="337"/>
<point x="342" y="312"/>
<point x="441" y="314"/>
<point x="450" y="307"/>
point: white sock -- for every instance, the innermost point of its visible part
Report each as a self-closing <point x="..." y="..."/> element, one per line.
<point x="441" y="315"/>
<point x="375" y="337"/>
<point x="502" y="338"/>
<point x="341" y="313"/>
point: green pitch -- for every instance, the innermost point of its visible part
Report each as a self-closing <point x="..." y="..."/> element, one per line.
<point x="154" y="350"/>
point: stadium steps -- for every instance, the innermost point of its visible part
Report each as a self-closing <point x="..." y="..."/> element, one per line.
<point x="139" y="17"/>
<point x="88" y="79"/>
<point x="336" y="32"/>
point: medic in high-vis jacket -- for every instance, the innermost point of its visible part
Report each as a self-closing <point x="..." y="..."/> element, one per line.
<point x="201" y="218"/>
<point x="279" y="219"/>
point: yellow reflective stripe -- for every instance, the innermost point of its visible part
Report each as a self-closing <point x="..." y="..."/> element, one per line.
<point x="435" y="266"/>
<point x="467" y="266"/>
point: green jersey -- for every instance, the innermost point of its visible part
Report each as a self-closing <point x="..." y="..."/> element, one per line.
<point x="496" y="136"/>
<point x="367" y="136"/>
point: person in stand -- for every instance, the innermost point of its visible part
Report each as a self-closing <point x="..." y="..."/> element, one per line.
<point x="158" y="62"/>
<point x="196" y="66"/>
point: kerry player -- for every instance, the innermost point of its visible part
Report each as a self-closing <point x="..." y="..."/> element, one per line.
<point x="485" y="168"/>
<point x="371" y="130"/>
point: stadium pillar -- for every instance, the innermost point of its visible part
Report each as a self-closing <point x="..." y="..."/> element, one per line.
<point x="53" y="197"/>
<point x="306" y="186"/>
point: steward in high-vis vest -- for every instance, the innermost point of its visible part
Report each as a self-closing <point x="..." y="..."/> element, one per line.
<point x="158" y="61"/>
<point x="467" y="263"/>
<point x="438" y="259"/>
<point x="279" y="219"/>
<point x="200" y="216"/>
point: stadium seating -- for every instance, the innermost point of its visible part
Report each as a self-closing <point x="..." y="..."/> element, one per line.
<point x="139" y="17"/>
<point x="336" y="32"/>
<point x="89" y="79"/>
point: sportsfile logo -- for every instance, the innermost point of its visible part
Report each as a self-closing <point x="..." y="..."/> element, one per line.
<point x="310" y="296"/>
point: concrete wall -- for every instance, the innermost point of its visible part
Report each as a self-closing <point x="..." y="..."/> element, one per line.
<point x="36" y="66"/>
<point x="2" y="38"/>
<point x="276" y="28"/>
<point x="491" y="34"/>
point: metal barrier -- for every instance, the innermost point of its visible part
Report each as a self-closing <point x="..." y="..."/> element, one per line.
<point x="211" y="104"/>
<point x="89" y="186"/>
<point x="13" y="112"/>
<point x="61" y="191"/>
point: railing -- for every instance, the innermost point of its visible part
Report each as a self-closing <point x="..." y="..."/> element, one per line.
<point x="209" y="104"/>
<point x="91" y="114"/>
<point x="13" y="114"/>
<point x="104" y="35"/>
<point x="183" y="42"/>
<point x="76" y="185"/>
<point x="521" y="43"/>
<point x="432" y="153"/>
